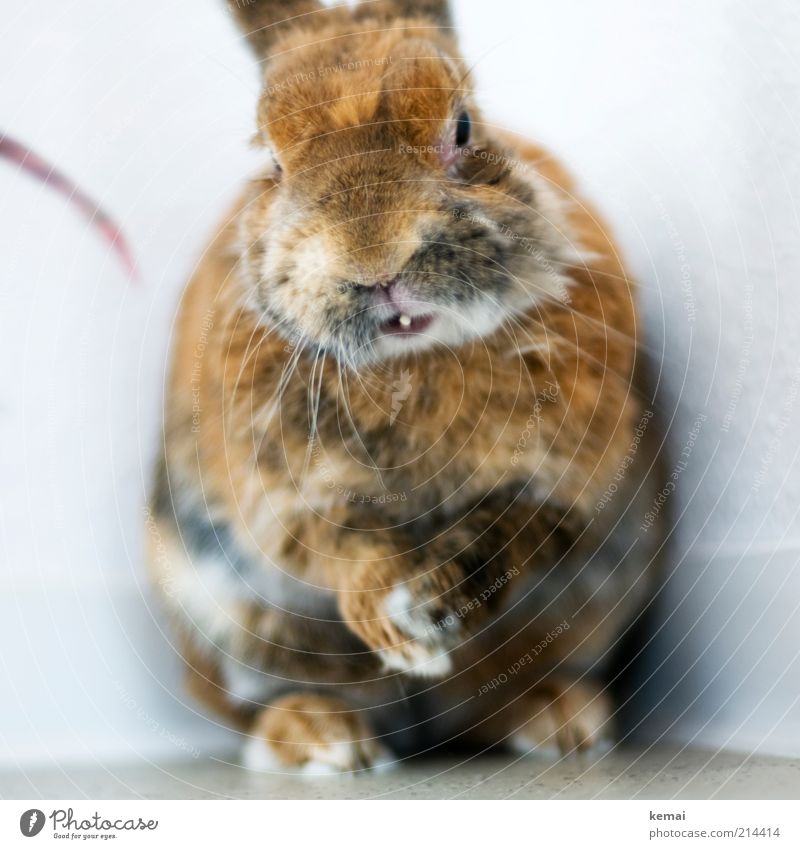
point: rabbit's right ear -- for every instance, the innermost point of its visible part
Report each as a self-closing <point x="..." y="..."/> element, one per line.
<point x="436" y="11"/>
<point x="263" y="21"/>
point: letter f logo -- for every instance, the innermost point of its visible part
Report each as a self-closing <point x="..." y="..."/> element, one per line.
<point x="31" y="822"/>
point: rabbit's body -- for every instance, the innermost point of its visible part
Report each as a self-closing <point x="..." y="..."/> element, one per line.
<point x="359" y="541"/>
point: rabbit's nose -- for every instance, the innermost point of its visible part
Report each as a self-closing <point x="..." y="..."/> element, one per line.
<point x="386" y="281"/>
<point x="382" y="284"/>
<point x="386" y="288"/>
<point x="399" y="294"/>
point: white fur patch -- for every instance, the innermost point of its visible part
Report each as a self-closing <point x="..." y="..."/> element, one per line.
<point x="258" y="757"/>
<point x="328" y="759"/>
<point x="408" y="616"/>
<point x="418" y="660"/>
<point x="522" y="744"/>
<point x="246" y="684"/>
<point x="425" y="656"/>
<point x="207" y="596"/>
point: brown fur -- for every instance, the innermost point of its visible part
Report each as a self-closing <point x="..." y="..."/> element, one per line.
<point x="478" y="495"/>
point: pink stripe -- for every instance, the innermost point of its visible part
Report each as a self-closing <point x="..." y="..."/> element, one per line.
<point x="30" y="161"/>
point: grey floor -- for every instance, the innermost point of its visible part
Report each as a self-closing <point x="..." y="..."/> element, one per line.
<point x="656" y="773"/>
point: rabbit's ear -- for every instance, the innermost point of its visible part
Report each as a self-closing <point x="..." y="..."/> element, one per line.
<point x="436" y="11"/>
<point x="262" y="21"/>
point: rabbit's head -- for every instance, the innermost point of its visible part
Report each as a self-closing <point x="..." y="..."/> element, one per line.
<point x="389" y="219"/>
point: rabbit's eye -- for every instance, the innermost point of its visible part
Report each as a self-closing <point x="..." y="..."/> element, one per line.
<point x="463" y="129"/>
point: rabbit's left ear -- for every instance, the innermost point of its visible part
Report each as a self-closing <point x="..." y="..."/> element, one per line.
<point x="262" y="21"/>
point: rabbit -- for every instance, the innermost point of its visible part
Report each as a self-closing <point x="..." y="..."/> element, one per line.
<point x="397" y="505"/>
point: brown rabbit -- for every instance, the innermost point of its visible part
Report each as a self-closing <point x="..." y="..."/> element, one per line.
<point x="402" y="398"/>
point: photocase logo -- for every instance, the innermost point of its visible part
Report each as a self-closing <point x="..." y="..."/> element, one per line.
<point x="31" y="822"/>
<point x="64" y="820"/>
<point x="402" y="389"/>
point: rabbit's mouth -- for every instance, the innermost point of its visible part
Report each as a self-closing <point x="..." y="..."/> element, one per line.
<point x="408" y="313"/>
<point x="402" y="324"/>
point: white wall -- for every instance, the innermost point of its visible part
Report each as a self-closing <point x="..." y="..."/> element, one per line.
<point x="148" y="106"/>
<point x="681" y="120"/>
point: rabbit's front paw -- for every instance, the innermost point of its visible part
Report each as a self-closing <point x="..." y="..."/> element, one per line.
<point x="313" y="735"/>
<point x="412" y="625"/>
<point x="563" y="717"/>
